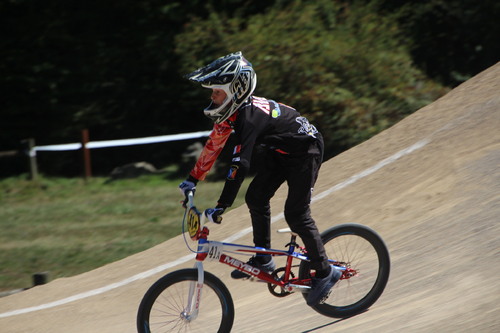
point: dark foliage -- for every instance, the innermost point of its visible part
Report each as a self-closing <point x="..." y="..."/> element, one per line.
<point x="115" y="67"/>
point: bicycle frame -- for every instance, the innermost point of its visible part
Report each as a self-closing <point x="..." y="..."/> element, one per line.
<point x="217" y="251"/>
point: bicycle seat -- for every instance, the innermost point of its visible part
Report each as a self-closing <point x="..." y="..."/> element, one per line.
<point x="286" y="230"/>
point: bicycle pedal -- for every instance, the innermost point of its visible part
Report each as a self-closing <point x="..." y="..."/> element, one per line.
<point x="251" y="279"/>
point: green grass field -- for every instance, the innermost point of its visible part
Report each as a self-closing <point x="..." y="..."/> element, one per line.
<point x="69" y="226"/>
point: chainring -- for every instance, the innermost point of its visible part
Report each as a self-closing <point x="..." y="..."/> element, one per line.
<point x="277" y="290"/>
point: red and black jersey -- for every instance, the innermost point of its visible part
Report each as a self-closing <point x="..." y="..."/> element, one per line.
<point x="259" y="122"/>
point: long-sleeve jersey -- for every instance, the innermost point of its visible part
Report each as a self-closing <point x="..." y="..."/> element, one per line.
<point x="258" y="122"/>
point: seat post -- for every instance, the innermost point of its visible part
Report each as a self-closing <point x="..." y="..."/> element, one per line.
<point x="293" y="238"/>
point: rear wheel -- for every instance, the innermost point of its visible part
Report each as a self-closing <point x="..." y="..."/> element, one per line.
<point x="164" y="307"/>
<point x="364" y="256"/>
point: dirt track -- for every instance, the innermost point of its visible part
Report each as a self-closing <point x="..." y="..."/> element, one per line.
<point x="429" y="185"/>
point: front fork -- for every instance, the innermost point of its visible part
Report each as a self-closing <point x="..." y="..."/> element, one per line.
<point x="194" y="297"/>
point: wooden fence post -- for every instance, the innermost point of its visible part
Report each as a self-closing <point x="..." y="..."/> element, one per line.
<point x="29" y="144"/>
<point x="86" y="155"/>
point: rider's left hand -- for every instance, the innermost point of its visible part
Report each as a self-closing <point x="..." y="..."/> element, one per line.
<point x="215" y="214"/>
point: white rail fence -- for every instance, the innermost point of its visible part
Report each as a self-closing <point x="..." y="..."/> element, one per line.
<point x="85" y="145"/>
<point x="119" y="143"/>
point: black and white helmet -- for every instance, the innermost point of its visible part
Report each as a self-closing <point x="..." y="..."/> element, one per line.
<point x="233" y="74"/>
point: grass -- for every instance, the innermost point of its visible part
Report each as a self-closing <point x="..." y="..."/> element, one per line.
<point x="69" y="226"/>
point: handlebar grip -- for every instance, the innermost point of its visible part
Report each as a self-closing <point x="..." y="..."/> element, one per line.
<point x="189" y="195"/>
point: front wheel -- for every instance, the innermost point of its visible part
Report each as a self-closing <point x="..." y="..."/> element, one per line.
<point x="364" y="258"/>
<point x="164" y="307"/>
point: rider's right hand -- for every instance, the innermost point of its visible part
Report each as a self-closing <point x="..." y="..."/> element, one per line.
<point x="187" y="186"/>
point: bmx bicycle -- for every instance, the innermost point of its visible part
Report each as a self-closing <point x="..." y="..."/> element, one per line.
<point x="194" y="300"/>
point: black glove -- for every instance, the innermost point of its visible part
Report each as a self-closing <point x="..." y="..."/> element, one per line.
<point x="215" y="214"/>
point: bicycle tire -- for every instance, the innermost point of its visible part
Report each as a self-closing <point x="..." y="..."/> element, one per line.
<point x="365" y="251"/>
<point x="163" y="304"/>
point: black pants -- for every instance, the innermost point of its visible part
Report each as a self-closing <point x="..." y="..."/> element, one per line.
<point x="300" y="172"/>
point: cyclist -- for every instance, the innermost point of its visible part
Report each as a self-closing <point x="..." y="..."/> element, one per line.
<point x="293" y="152"/>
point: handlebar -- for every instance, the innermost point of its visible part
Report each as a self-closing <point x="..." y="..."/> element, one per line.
<point x="188" y="199"/>
<point x="188" y="203"/>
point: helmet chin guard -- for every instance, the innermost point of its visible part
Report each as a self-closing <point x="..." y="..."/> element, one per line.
<point x="231" y="73"/>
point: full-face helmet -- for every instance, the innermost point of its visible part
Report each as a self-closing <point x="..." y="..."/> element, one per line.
<point x="233" y="74"/>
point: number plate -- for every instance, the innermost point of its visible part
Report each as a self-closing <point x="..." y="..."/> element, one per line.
<point x="214" y="251"/>
<point x="193" y="223"/>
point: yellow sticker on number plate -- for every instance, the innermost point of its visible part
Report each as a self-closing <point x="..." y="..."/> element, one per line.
<point x="193" y="223"/>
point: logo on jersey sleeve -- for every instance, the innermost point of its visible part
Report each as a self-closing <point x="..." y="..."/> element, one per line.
<point x="231" y="175"/>
<point x="306" y="127"/>
<point x="276" y="113"/>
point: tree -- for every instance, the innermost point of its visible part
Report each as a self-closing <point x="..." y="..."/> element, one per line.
<point x="451" y="40"/>
<point x="341" y="65"/>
